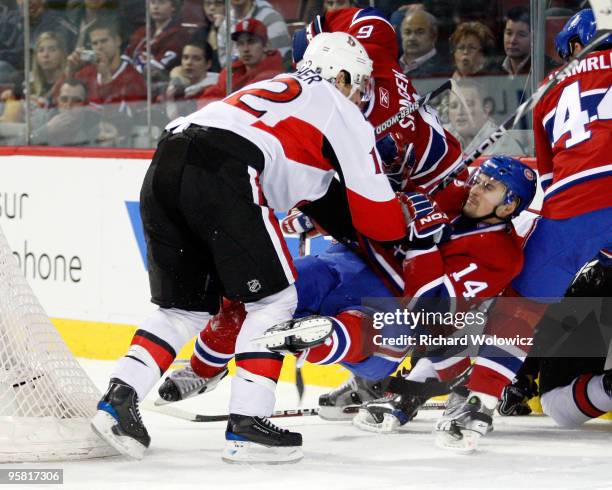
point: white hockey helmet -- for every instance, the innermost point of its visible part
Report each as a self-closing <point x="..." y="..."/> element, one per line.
<point x="330" y="52"/>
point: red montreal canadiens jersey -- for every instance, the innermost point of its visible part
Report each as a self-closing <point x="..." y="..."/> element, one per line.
<point x="478" y="261"/>
<point x="297" y="120"/>
<point x="573" y="132"/>
<point x="435" y="149"/>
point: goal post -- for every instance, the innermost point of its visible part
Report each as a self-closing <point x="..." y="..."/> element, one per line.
<point x="46" y="398"/>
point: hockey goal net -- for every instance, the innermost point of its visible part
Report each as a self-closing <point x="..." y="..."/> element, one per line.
<point x="46" y="399"/>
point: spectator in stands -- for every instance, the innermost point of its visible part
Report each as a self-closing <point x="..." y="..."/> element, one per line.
<point x="214" y="16"/>
<point x="48" y="64"/>
<point x="83" y="13"/>
<point x="472" y="46"/>
<point x="48" y="68"/>
<point x="110" y="78"/>
<point x="261" y="10"/>
<point x="517" y="41"/>
<point x="330" y="5"/>
<point x="11" y="39"/>
<point x="190" y="79"/>
<point x="168" y="39"/>
<point x="419" y="36"/>
<point x="72" y="123"/>
<point x="468" y="120"/>
<point x="43" y="20"/>
<point x="254" y="63"/>
<point x="11" y="110"/>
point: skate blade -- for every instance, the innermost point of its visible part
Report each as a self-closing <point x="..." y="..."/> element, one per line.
<point x="102" y="424"/>
<point x="389" y="425"/>
<point x="245" y="452"/>
<point x="467" y="444"/>
<point x="335" y="414"/>
<point x="308" y="331"/>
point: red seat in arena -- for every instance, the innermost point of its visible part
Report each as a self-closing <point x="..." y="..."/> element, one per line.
<point x="289" y="9"/>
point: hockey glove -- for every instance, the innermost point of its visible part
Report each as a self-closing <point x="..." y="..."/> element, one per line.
<point x="296" y="223"/>
<point x="427" y="225"/>
<point x="397" y="158"/>
<point x="516" y="395"/>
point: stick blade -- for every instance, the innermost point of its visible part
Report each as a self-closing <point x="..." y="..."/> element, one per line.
<point x="602" y="9"/>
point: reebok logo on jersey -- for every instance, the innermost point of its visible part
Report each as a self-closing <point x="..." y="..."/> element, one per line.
<point x="384" y="97"/>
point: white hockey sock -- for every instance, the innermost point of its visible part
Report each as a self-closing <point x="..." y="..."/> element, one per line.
<point x="255" y="381"/>
<point x="424" y="369"/>
<point x="574" y="404"/>
<point x="155" y="345"/>
<point x="489" y="401"/>
<point x="597" y="395"/>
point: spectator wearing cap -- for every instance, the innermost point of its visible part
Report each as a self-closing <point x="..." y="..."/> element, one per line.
<point x="255" y="62"/>
<point x="278" y="34"/>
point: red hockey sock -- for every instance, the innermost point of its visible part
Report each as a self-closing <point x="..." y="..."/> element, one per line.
<point x="215" y="345"/>
<point x="348" y="342"/>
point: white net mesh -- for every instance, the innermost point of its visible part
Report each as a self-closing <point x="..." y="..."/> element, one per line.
<point x="46" y="398"/>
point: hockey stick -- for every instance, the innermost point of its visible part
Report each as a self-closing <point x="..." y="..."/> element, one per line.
<point x="413" y="107"/>
<point x="521" y="110"/>
<point x="179" y="413"/>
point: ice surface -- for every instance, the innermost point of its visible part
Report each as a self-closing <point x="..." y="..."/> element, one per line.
<point x="522" y="452"/>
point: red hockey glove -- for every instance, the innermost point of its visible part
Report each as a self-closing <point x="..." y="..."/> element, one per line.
<point x="296" y="223"/>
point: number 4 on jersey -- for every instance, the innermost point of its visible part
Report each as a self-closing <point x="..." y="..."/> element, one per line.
<point x="570" y="116"/>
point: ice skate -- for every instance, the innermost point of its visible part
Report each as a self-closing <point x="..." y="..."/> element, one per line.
<point x="344" y="402"/>
<point x="297" y="335"/>
<point x="461" y="426"/>
<point x="257" y="440"/>
<point x="118" y="420"/>
<point x="185" y="383"/>
<point x="386" y="415"/>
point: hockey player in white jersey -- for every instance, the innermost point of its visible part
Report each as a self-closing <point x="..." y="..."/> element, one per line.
<point x="208" y="203"/>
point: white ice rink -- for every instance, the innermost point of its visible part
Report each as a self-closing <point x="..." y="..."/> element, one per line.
<point x="522" y="452"/>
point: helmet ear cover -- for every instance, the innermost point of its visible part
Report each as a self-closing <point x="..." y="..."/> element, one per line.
<point x="328" y="53"/>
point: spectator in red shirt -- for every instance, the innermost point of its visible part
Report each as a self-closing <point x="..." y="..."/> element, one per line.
<point x="254" y="63"/>
<point x="110" y="78"/>
<point x="168" y="40"/>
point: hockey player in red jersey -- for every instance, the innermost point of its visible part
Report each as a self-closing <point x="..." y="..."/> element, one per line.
<point x="416" y="146"/>
<point x="572" y="126"/>
<point x="267" y="147"/>
<point x="462" y="268"/>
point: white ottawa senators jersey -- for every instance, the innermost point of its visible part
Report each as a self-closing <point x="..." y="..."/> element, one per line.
<point x="307" y="131"/>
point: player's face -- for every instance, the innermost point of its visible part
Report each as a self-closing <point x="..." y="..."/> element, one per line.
<point x="48" y="54"/>
<point x="517" y="39"/>
<point x="485" y="195"/>
<point x="418" y="35"/>
<point x="469" y="56"/>
<point x="251" y="49"/>
<point x="194" y="64"/>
